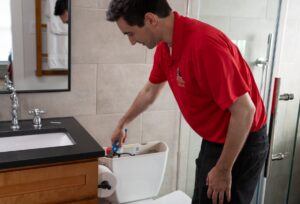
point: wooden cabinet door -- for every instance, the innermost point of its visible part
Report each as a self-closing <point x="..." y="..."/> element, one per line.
<point x="65" y="183"/>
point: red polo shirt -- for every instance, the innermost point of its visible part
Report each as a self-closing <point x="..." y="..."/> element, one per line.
<point x="207" y="74"/>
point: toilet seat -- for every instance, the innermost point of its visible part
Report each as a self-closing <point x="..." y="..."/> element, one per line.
<point x="176" y="197"/>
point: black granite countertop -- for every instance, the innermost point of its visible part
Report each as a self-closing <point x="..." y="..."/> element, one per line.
<point x="85" y="146"/>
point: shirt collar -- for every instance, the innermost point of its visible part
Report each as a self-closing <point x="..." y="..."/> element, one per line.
<point x="177" y="39"/>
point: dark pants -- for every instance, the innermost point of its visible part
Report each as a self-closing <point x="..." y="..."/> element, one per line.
<point x="245" y="172"/>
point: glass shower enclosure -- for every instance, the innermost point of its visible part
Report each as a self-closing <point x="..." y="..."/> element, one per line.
<point x="253" y="26"/>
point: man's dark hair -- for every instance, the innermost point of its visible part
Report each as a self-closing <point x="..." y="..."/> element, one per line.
<point x="133" y="11"/>
<point x="60" y="7"/>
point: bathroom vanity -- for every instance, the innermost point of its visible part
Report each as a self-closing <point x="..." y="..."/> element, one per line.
<point x="64" y="169"/>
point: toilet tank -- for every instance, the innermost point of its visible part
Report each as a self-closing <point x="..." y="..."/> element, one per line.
<point x="138" y="177"/>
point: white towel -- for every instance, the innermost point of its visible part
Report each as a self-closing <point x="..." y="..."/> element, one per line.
<point x="57" y="39"/>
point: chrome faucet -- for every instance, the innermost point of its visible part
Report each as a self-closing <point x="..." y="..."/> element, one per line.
<point x="14" y="103"/>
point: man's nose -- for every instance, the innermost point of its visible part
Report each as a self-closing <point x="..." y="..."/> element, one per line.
<point x="132" y="40"/>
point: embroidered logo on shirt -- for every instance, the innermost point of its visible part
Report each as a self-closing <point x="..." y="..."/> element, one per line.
<point x="179" y="79"/>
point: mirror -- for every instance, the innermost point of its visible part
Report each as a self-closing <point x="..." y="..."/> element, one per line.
<point x="35" y="44"/>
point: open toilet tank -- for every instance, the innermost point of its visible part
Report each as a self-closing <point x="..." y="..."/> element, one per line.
<point x="138" y="177"/>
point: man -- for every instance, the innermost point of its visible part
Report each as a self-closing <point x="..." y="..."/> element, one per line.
<point x="214" y="89"/>
<point x="61" y="10"/>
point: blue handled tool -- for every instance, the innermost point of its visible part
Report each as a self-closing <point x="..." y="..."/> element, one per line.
<point x="116" y="145"/>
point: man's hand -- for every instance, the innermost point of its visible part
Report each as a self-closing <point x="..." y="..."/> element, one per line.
<point x="119" y="135"/>
<point x="219" y="184"/>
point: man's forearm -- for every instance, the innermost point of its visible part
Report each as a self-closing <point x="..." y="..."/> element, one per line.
<point x="140" y="104"/>
<point x="145" y="98"/>
<point x="238" y="130"/>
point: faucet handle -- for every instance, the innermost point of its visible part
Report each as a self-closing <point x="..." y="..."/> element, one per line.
<point x="37" y="120"/>
<point x="36" y="112"/>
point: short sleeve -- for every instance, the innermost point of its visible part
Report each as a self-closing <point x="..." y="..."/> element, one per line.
<point x="223" y="75"/>
<point x="157" y="74"/>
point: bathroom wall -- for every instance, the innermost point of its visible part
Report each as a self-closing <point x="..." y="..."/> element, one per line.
<point x="107" y="73"/>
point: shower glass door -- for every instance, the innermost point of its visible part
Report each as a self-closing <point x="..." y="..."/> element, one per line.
<point x="251" y="25"/>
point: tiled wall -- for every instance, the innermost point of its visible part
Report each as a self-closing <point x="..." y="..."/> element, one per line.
<point x="107" y="73"/>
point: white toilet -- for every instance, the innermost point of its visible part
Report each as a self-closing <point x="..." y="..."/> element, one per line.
<point x="139" y="177"/>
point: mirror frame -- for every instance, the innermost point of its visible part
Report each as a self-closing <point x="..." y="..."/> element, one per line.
<point x="40" y="72"/>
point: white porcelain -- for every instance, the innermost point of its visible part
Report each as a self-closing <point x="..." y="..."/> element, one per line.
<point x="147" y="201"/>
<point x="34" y="141"/>
<point x="176" y="197"/>
<point x="139" y="177"/>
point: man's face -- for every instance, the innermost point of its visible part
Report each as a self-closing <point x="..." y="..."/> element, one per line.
<point x="65" y="17"/>
<point x="142" y="35"/>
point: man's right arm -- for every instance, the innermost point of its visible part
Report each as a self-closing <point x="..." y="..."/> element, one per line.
<point x="145" y="98"/>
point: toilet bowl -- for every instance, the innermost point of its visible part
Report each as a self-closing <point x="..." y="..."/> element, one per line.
<point x="139" y="177"/>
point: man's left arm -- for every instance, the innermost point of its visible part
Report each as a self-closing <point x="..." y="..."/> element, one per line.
<point x="219" y="178"/>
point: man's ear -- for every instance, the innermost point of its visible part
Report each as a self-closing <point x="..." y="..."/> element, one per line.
<point x="151" y="19"/>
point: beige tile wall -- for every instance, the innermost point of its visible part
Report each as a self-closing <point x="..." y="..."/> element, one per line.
<point x="107" y="73"/>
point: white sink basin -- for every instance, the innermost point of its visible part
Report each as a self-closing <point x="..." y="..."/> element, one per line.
<point x="34" y="141"/>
